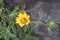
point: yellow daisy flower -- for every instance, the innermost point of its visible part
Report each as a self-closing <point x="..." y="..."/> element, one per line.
<point x="23" y="18"/>
<point x="52" y="23"/>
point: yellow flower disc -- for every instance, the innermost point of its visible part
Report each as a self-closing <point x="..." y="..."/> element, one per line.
<point x="52" y="23"/>
<point x="23" y="18"/>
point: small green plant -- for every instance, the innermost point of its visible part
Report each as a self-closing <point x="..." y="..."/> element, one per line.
<point x="51" y="24"/>
<point x="10" y="23"/>
<point x="9" y="30"/>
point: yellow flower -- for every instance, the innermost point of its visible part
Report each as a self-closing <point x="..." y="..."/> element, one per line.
<point x="52" y="23"/>
<point x="23" y="18"/>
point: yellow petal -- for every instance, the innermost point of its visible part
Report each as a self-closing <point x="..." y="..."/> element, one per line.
<point x="21" y="25"/>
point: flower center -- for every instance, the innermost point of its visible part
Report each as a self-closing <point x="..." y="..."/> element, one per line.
<point x="52" y="23"/>
<point x="23" y="21"/>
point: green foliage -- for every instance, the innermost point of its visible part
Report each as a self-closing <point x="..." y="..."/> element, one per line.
<point x="8" y="29"/>
<point x="43" y="21"/>
<point x="1" y="3"/>
<point x="11" y="25"/>
<point x="57" y="20"/>
<point x="50" y="31"/>
<point x="29" y="30"/>
<point x="50" y="24"/>
<point x="14" y="12"/>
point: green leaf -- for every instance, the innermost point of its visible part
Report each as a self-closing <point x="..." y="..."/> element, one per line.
<point x="14" y="38"/>
<point x="14" y="12"/>
<point x="28" y="37"/>
<point x="19" y="32"/>
<point x="11" y="25"/>
<point x="58" y="20"/>
<point x="12" y="35"/>
<point x="43" y="22"/>
<point x="1" y="3"/>
<point x="29" y="30"/>
<point x="23" y="36"/>
<point x="6" y="12"/>
<point x="5" y="18"/>
<point x="0" y="27"/>
<point x="14" y="30"/>
<point x="25" y="29"/>
<point x="6" y="37"/>
<point x="16" y="9"/>
<point x="50" y="31"/>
